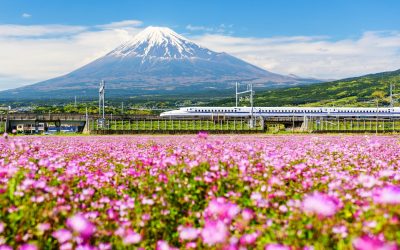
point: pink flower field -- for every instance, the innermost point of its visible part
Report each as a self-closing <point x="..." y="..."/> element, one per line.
<point x="200" y="192"/>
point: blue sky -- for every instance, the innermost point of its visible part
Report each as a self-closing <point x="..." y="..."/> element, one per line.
<point x="336" y="18"/>
<point x="315" y="38"/>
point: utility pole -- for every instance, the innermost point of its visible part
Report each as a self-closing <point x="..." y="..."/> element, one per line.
<point x="102" y="98"/>
<point x="7" y="120"/>
<point x="236" y="94"/>
<point x="392" y="95"/>
<point x="251" y="92"/>
<point x="102" y="91"/>
<point x="122" y="108"/>
<point x="377" y="110"/>
<point x="251" y="102"/>
<point x="75" y="102"/>
<point x="87" y="120"/>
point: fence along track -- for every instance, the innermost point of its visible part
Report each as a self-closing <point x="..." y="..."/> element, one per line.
<point x="166" y="126"/>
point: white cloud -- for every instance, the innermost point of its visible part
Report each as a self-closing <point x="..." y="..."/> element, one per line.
<point x="317" y="57"/>
<point x="11" y="30"/>
<point x="31" y="53"/>
<point x="198" y="28"/>
<point x="26" y="15"/>
<point x="121" y="24"/>
<point x="222" y="28"/>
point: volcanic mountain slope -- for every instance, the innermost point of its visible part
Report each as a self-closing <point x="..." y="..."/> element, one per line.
<point x="156" y="61"/>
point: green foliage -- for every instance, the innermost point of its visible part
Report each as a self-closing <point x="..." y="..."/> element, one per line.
<point x="356" y="91"/>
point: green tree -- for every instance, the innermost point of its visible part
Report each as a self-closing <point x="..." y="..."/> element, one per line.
<point x="378" y="96"/>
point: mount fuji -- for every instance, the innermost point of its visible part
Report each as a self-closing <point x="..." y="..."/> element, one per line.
<point x="156" y="61"/>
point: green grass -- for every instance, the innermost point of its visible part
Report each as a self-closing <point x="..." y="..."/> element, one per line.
<point x="354" y="125"/>
<point x="178" y="125"/>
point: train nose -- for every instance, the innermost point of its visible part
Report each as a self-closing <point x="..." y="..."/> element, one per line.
<point x="168" y="113"/>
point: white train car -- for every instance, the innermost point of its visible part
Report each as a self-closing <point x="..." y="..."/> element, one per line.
<point x="204" y="112"/>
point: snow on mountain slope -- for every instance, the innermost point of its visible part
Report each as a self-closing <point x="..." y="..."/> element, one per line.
<point x="160" y="42"/>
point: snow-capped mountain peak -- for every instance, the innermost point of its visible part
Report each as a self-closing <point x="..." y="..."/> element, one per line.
<point x="159" y="42"/>
<point x="157" y="61"/>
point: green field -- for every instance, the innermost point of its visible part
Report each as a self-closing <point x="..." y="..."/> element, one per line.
<point x="354" y="125"/>
<point x="195" y="125"/>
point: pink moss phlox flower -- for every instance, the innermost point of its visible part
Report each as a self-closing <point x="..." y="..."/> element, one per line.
<point x="249" y="239"/>
<point x="372" y="243"/>
<point x="202" y="135"/>
<point x="79" y="224"/>
<point x="387" y="195"/>
<point x="66" y="246"/>
<point x="274" y="246"/>
<point x="188" y="233"/>
<point x="42" y="227"/>
<point x="214" y="232"/>
<point x="320" y="204"/>
<point x="105" y="246"/>
<point x="247" y="214"/>
<point x="163" y="245"/>
<point x="5" y="247"/>
<point x="28" y="247"/>
<point x="190" y="245"/>
<point x="131" y="237"/>
<point x="62" y="235"/>
<point x="85" y="247"/>
<point x="340" y="230"/>
<point x="221" y="209"/>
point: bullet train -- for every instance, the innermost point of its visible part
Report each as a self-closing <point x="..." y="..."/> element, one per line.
<point x="202" y="112"/>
